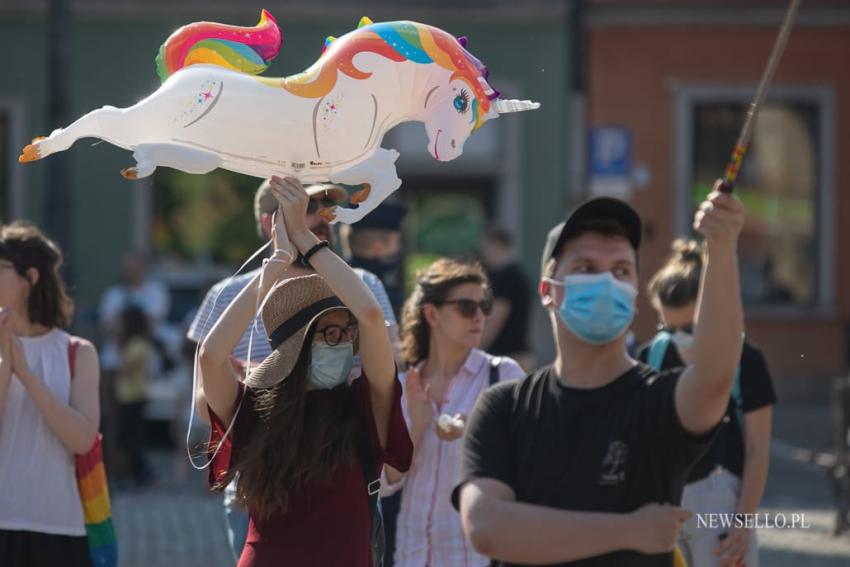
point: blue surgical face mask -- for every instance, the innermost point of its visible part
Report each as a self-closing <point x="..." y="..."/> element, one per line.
<point x="597" y="308"/>
<point x="331" y="365"/>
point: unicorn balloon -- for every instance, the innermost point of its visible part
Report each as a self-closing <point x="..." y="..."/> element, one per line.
<point x="325" y="124"/>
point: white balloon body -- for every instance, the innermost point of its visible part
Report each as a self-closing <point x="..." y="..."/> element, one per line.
<point x="204" y="117"/>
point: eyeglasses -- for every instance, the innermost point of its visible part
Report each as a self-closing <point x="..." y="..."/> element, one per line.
<point x="689" y="329"/>
<point x="334" y="334"/>
<point x="314" y="204"/>
<point x="468" y="308"/>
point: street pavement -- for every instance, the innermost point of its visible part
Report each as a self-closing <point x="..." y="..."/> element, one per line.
<point x="171" y="525"/>
<point x="797" y="488"/>
<point x="183" y="525"/>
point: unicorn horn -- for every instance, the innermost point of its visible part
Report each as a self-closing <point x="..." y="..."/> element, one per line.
<point x="503" y="106"/>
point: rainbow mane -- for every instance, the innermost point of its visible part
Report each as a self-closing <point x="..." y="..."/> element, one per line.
<point x="397" y="41"/>
<point x="244" y="49"/>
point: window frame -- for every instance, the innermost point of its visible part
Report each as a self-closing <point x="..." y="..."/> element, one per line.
<point x="823" y="97"/>
<point x="15" y="203"/>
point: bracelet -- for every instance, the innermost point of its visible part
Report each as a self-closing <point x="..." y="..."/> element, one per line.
<point x="289" y="256"/>
<point x="305" y="260"/>
<point x="274" y="260"/>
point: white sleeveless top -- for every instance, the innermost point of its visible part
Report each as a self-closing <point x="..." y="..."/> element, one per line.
<point x="38" y="484"/>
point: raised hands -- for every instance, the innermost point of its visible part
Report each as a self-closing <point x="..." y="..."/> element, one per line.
<point x="292" y="200"/>
<point x="720" y="218"/>
<point x="420" y="407"/>
<point x="11" y="351"/>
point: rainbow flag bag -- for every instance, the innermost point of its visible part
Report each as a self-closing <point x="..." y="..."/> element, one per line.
<point x="94" y="494"/>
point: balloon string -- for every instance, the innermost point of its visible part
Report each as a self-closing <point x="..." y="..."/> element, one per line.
<point x="205" y="331"/>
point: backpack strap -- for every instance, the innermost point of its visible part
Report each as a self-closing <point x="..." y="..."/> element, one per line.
<point x="373" y="485"/>
<point x="658" y="350"/>
<point x="495" y="363"/>
<point x="738" y="399"/>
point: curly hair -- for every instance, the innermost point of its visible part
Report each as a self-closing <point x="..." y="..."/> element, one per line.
<point x="299" y="437"/>
<point x="677" y="283"/>
<point x="27" y="247"/>
<point x="433" y="285"/>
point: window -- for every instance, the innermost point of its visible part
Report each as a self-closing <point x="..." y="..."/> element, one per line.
<point x="5" y="135"/>
<point x="784" y="247"/>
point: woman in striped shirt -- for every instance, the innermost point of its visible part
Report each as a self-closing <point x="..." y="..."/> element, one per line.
<point x="442" y="325"/>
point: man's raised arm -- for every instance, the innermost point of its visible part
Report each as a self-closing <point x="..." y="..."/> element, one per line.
<point x="702" y="394"/>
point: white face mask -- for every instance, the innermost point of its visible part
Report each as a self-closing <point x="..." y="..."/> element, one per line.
<point x="684" y="343"/>
<point x="682" y="340"/>
<point x="331" y="365"/>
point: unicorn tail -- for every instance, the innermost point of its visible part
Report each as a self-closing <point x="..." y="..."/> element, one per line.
<point x="244" y="49"/>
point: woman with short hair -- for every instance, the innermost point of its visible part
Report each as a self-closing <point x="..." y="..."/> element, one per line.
<point x="49" y="411"/>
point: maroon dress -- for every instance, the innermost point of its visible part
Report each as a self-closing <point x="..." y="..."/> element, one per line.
<point x="326" y="524"/>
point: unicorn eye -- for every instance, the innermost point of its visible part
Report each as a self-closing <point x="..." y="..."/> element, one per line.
<point x="461" y="102"/>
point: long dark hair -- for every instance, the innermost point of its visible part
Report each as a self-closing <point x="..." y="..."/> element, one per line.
<point x="26" y="247"/>
<point x="432" y="286"/>
<point x="299" y="437"/>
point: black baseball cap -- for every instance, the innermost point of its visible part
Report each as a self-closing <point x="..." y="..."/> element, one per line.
<point x="600" y="208"/>
<point x="386" y="216"/>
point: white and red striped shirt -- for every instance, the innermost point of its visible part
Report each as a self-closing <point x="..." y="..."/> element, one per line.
<point x="428" y="530"/>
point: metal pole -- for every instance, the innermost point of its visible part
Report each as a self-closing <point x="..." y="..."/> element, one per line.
<point x="57" y="197"/>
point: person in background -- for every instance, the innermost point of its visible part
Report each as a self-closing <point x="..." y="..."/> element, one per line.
<point x="375" y="245"/>
<point x="223" y="293"/>
<point x="506" y="333"/>
<point x="49" y="409"/>
<point x="442" y="326"/>
<point x="137" y="288"/>
<point x="299" y="423"/>
<point x="135" y="350"/>
<point x="731" y="477"/>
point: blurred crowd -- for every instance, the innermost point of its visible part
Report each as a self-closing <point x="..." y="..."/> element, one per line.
<point x="460" y="328"/>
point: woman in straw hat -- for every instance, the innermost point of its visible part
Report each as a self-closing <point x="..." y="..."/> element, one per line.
<point x="298" y="421"/>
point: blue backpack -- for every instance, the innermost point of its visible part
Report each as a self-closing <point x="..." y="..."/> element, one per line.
<point x="658" y="350"/>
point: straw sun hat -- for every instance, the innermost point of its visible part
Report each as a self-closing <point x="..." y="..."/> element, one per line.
<point x="292" y="307"/>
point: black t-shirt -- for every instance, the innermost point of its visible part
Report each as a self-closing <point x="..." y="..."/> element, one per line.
<point x="510" y="284"/>
<point x="756" y="392"/>
<point x="608" y="449"/>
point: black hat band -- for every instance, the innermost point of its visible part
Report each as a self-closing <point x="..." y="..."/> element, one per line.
<point x="301" y="318"/>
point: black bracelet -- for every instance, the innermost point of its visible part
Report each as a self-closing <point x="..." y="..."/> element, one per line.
<point x="305" y="260"/>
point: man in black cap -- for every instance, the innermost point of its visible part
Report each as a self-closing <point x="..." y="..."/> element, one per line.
<point x="376" y="246"/>
<point x="583" y="461"/>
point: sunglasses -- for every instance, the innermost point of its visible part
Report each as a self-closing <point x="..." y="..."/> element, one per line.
<point x="468" y="308"/>
<point x="689" y="329"/>
<point x="334" y="334"/>
<point x="314" y="204"/>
